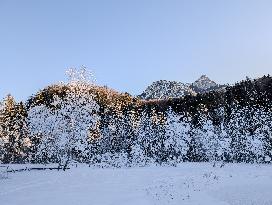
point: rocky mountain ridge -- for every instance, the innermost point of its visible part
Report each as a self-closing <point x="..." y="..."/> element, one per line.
<point x="164" y="89"/>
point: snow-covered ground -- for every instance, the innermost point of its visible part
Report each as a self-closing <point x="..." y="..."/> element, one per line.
<point x="187" y="184"/>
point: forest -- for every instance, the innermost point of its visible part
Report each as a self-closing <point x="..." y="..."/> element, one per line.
<point x="81" y="122"/>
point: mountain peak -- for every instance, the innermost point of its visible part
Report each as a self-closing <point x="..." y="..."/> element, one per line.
<point x="204" y="83"/>
<point x="204" y="77"/>
<point x="164" y="89"/>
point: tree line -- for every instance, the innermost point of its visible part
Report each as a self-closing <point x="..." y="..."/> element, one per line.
<point x="79" y="121"/>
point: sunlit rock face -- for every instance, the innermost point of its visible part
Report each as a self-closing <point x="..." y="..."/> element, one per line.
<point x="164" y="89"/>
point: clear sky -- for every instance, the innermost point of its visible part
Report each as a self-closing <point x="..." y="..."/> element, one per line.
<point x="131" y="43"/>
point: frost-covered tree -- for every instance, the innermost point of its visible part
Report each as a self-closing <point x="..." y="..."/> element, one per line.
<point x="177" y="139"/>
<point x="2" y="139"/>
<point x="210" y="141"/>
<point x="80" y="76"/>
<point x="261" y="136"/>
<point x="105" y="149"/>
<point x="134" y="146"/>
<point x="146" y="135"/>
<point x="128" y="135"/>
<point x="118" y="136"/>
<point x="67" y="124"/>
<point x="241" y="129"/>
<point x="43" y="129"/>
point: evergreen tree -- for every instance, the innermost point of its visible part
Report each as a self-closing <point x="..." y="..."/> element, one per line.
<point x="146" y="135"/>
<point x="177" y="141"/>
<point x="2" y="136"/>
<point x="14" y="137"/>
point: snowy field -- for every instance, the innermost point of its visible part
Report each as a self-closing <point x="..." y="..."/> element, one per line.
<point x="187" y="184"/>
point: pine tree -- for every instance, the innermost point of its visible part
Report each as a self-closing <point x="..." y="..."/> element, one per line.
<point x="13" y="131"/>
<point x="262" y="138"/>
<point x="2" y="136"/>
<point x="177" y="140"/>
<point x="146" y="135"/>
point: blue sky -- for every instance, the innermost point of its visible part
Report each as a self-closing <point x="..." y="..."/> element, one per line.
<point x="131" y="43"/>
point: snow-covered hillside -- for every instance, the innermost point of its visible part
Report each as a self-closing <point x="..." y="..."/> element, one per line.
<point x="186" y="184"/>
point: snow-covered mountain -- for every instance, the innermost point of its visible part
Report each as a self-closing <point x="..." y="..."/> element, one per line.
<point x="204" y="83"/>
<point x="164" y="89"/>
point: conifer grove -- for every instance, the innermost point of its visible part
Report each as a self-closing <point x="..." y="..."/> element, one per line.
<point x="80" y="121"/>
